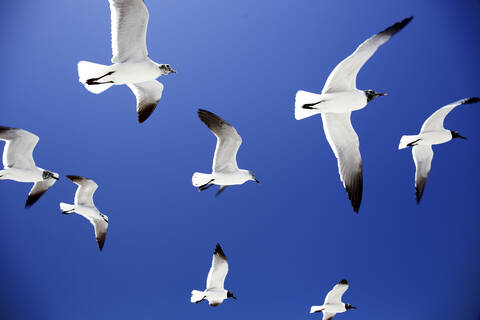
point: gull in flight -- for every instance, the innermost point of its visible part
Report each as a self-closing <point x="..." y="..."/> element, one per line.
<point x="215" y="293"/>
<point x="19" y="165"/>
<point x="225" y="169"/>
<point x="131" y="63"/>
<point x="333" y="302"/>
<point x="84" y="206"/>
<point x="339" y="98"/>
<point x="432" y="132"/>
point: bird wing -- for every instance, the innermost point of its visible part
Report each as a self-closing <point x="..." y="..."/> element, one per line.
<point x="435" y="121"/>
<point x="228" y="142"/>
<point x="38" y="189"/>
<point x="19" y="147"/>
<point x="218" y="270"/>
<point x="335" y="295"/>
<point x="422" y="156"/>
<point x="344" y="76"/>
<point x="129" y="30"/>
<point x="101" y="225"/>
<point x="344" y="142"/>
<point x="86" y="189"/>
<point x="328" y="315"/>
<point x="148" y="94"/>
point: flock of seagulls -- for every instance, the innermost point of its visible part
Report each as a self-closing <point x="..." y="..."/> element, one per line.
<point x="133" y="67"/>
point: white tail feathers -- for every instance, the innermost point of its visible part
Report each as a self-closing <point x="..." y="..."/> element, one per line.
<point x="200" y="179"/>
<point x="314" y="309"/>
<point x="66" y="208"/>
<point x="302" y="99"/>
<point x="197" y="296"/>
<point x="89" y="70"/>
<point x="405" y="140"/>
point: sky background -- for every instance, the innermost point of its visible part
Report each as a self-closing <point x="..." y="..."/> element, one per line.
<point x="288" y="239"/>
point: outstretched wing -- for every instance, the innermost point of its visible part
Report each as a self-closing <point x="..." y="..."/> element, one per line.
<point x="38" y="189"/>
<point x="422" y="156"/>
<point x="19" y="147"/>
<point x="129" y="19"/>
<point x="86" y="189"/>
<point x="335" y="295"/>
<point x="218" y="270"/>
<point x="328" y="315"/>
<point x="344" y="142"/>
<point x="101" y="226"/>
<point x="344" y="76"/>
<point x="148" y="94"/>
<point x="435" y="121"/>
<point x="228" y="142"/>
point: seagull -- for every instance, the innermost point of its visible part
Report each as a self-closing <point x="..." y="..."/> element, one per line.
<point x="215" y="293"/>
<point x="333" y="302"/>
<point x="131" y="63"/>
<point x="432" y="132"/>
<point x="225" y="170"/>
<point x="85" y="207"/>
<point x="19" y="165"/>
<point x="339" y="98"/>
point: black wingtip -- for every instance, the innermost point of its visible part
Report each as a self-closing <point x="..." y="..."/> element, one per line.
<point x="343" y="281"/>
<point x="471" y="100"/>
<point x="219" y="251"/>
<point x="355" y="191"/>
<point x="145" y="111"/>
<point x="397" y="26"/>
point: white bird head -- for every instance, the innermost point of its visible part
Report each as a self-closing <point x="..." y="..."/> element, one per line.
<point x="372" y="94"/>
<point x="166" y="69"/>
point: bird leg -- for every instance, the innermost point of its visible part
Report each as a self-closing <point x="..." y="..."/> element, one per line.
<point x="68" y="211"/>
<point x="310" y="105"/>
<point x="94" y="80"/>
<point x="206" y="185"/>
<point x="411" y="144"/>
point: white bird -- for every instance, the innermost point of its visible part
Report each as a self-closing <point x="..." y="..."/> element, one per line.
<point x="225" y="171"/>
<point x="19" y="165"/>
<point x="84" y="206"/>
<point x="131" y="63"/>
<point x="339" y="98"/>
<point x="215" y="292"/>
<point x="333" y="302"/>
<point x="432" y="132"/>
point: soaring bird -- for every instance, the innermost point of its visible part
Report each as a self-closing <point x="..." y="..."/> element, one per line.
<point x="333" y="302"/>
<point x="131" y="63"/>
<point x="339" y="98"/>
<point x="84" y="206"/>
<point x="19" y="165"/>
<point x="225" y="171"/>
<point x="215" y="292"/>
<point x="432" y="132"/>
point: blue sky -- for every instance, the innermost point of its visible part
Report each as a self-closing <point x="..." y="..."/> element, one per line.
<point x="288" y="239"/>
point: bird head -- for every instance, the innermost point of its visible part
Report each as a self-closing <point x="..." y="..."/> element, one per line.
<point x="455" y="134"/>
<point x="49" y="175"/>
<point x="372" y="94"/>
<point x="349" y="306"/>
<point x="166" y="69"/>
<point x="252" y="177"/>
<point x="230" y="295"/>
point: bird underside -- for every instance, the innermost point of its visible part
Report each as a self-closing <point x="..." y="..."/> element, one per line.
<point x="94" y="81"/>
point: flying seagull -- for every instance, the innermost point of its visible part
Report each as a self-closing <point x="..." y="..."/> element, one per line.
<point x="131" y="63"/>
<point x="225" y="170"/>
<point x="339" y="98"/>
<point x="333" y="302"/>
<point x="19" y="165"/>
<point x="215" y="293"/>
<point x="432" y="132"/>
<point x="85" y="207"/>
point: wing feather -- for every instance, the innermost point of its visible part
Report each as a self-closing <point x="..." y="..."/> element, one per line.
<point x="148" y="94"/>
<point x="422" y="156"/>
<point x="335" y="295"/>
<point x="86" y="189"/>
<point x="19" y="147"/>
<point x="218" y="270"/>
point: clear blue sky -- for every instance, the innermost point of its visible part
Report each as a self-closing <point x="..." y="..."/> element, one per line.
<point x="288" y="239"/>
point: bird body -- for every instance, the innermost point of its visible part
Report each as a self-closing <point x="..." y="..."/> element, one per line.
<point x="19" y="164"/>
<point x="333" y="302"/>
<point x="339" y="98"/>
<point x="431" y="133"/>
<point x="84" y="206"/>
<point x="222" y="178"/>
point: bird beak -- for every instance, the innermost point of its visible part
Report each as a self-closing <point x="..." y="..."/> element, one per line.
<point x="55" y="178"/>
<point x="352" y="307"/>
<point x="174" y="71"/>
<point x="234" y="297"/>
<point x="380" y="93"/>
<point x="255" y="179"/>
<point x="464" y="138"/>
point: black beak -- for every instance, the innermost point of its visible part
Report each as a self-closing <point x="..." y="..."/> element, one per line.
<point x="55" y="178"/>
<point x="234" y="297"/>
<point x="462" y="137"/>
<point x="174" y="71"/>
<point x="380" y="93"/>
<point x="255" y="179"/>
<point x="352" y="307"/>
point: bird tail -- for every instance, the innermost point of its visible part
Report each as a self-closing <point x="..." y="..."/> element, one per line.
<point x="66" y="208"/>
<point x="200" y="179"/>
<point x="197" y="296"/>
<point x="305" y="104"/>
<point x="406" y="140"/>
<point x="315" y="309"/>
<point x="91" y="71"/>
